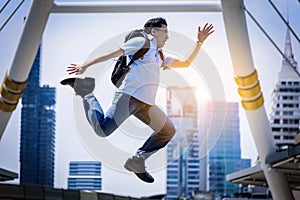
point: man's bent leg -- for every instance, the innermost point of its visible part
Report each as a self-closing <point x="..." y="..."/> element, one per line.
<point x="163" y="128"/>
<point x="164" y="131"/>
<point x="122" y="107"/>
<point x="94" y="114"/>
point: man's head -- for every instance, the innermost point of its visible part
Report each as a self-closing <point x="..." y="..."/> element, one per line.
<point x="158" y="28"/>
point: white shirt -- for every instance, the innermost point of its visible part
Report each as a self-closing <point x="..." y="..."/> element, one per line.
<point x="142" y="81"/>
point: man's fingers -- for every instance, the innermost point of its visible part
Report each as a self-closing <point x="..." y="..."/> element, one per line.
<point x="73" y="68"/>
<point x="72" y="65"/>
<point x="205" y="26"/>
<point x="209" y="28"/>
<point x="72" y="72"/>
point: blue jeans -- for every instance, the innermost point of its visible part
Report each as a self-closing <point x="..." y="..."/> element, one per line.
<point x="124" y="106"/>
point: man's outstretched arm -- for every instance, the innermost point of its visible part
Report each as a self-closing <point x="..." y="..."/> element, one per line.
<point x="80" y="68"/>
<point x="201" y="35"/>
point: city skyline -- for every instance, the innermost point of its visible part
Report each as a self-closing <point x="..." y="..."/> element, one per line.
<point x="64" y="33"/>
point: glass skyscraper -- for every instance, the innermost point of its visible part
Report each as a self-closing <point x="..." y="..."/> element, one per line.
<point x="85" y="175"/>
<point x="183" y="170"/>
<point x="205" y="148"/>
<point x="225" y="153"/>
<point x="37" y="130"/>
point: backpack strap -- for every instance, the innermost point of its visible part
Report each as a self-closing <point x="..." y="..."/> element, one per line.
<point x="140" y="53"/>
<point x="161" y="55"/>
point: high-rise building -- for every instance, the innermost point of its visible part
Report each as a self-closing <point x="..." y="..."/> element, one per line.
<point x="183" y="170"/>
<point x="225" y="150"/>
<point x="37" y="130"/>
<point x="205" y="148"/>
<point x="85" y="175"/>
<point x="285" y="115"/>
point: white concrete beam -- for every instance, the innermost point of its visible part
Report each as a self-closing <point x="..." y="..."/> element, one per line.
<point x="251" y="95"/>
<point x="15" y="80"/>
<point x="136" y="6"/>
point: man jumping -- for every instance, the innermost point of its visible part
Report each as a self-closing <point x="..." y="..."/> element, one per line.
<point x="136" y="95"/>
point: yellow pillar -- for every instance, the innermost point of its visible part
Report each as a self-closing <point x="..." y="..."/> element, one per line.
<point x="15" y="79"/>
<point x="251" y="96"/>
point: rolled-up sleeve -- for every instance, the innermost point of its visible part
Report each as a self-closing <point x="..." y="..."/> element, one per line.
<point x="168" y="61"/>
<point x="133" y="45"/>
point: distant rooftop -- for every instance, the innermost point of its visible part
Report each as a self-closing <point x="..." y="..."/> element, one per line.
<point x="286" y="161"/>
<point x="6" y="175"/>
<point x="26" y="191"/>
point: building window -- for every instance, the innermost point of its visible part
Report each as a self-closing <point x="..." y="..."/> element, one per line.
<point x="287" y="112"/>
<point x="288" y="137"/>
<point x="276" y="129"/>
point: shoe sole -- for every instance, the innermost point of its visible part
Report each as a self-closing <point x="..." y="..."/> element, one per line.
<point x="137" y="174"/>
<point x="67" y="81"/>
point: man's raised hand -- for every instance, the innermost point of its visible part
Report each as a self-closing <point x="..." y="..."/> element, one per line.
<point x="75" y="69"/>
<point x="205" y="32"/>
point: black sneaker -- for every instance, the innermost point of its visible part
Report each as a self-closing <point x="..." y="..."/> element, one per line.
<point x="82" y="87"/>
<point x="137" y="165"/>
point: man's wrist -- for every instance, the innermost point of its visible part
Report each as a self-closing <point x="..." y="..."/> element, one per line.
<point x="199" y="42"/>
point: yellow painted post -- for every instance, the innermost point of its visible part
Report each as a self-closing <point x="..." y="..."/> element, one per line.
<point x="249" y="90"/>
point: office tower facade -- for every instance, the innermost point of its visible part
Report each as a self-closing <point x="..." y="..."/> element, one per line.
<point x="205" y="148"/>
<point x="225" y="152"/>
<point x="37" y="130"/>
<point x="285" y="115"/>
<point x="85" y="175"/>
<point x="183" y="170"/>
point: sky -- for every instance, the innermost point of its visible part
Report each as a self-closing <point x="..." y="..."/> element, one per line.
<point x="72" y="38"/>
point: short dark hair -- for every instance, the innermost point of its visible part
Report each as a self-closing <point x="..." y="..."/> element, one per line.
<point x="154" y="22"/>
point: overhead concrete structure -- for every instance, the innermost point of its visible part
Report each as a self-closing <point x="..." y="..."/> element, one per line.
<point x="16" y="77"/>
<point x="286" y="161"/>
<point x="251" y="96"/>
<point x="6" y="175"/>
<point x="137" y="6"/>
